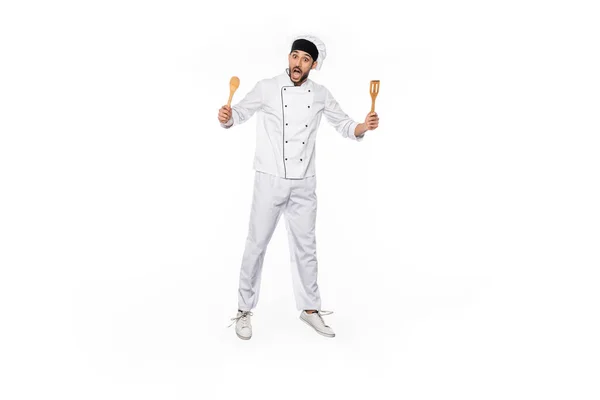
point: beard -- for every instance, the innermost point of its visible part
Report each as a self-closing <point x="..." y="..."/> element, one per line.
<point x="302" y="76"/>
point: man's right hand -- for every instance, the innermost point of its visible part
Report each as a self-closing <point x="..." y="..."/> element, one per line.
<point x="224" y="114"/>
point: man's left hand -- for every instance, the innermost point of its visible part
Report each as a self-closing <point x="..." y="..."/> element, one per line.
<point x="372" y="121"/>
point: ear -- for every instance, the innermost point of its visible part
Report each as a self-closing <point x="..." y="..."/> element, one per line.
<point x="314" y="65"/>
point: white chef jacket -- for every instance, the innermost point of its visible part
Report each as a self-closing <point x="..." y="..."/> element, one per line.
<point x="286" y="127"/>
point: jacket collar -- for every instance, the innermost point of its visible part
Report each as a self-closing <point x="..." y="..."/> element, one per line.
<point x="286" y="81"/>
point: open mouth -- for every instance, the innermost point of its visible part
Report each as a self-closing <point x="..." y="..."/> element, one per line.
<point x="296" y="73"/>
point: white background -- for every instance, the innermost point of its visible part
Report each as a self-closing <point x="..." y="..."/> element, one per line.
<point x="457" y="244"/>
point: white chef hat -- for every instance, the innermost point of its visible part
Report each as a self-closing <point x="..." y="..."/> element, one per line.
<point x="318" y="44"/>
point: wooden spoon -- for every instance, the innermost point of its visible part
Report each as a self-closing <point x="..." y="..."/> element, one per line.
<point x="234" y="83"/>
<point x="374" y="89"/>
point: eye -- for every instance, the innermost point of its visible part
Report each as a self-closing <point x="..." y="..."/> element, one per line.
<point x="305" y="59"/>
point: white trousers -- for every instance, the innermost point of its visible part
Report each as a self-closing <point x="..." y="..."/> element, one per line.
<point x="297" y="200"/>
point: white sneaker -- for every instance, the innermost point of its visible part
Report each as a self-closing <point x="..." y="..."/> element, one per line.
<point x="243" y="327"/>
<point x="316" y="321"/>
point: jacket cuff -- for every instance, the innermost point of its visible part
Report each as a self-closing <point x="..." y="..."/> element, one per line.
<point x="227" y="124"/>
<point x="352" y="135"/>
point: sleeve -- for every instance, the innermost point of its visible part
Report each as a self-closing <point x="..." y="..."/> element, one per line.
<point x="245" y="108"/>
<point x="339" y="119"/>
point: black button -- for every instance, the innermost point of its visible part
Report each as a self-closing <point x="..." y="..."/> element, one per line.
<point x="286" y="159"/>
<point x="286" y="123"/>
<point x="309" y="90"/>
<point x="306" y="126"/>
<point x="302" y="142"/>
<point x="308" y="106"/>
<point x="286" y="105"/>
<point x="283" y="88"/>
<point x="300" y="159"/>
<point x="286" y="141"/>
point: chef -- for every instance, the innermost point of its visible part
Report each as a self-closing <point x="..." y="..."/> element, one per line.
<point x="289" y="108"/>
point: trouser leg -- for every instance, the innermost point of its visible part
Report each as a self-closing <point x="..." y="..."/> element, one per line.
<point x="300" y="217"/>
<point x="268" y="200"/>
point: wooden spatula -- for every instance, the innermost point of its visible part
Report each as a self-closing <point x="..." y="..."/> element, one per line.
<point x="234" y="83"/>
<point x="374" y="92"/>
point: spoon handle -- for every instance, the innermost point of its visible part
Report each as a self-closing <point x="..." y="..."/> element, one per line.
<point x="230" y="97"/>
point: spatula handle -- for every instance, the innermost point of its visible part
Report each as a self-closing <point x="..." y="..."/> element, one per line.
<point x="372" y="104"/>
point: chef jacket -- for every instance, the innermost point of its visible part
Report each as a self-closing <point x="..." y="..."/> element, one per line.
<point x="286" y="128"/>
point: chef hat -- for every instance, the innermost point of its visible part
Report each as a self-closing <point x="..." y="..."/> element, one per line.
<point x="320" y="47"/>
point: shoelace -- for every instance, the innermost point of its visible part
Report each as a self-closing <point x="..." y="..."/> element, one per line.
<point x="242" y="315"/>
<point x="245" y="313"/>
<point x="321" y="313"/>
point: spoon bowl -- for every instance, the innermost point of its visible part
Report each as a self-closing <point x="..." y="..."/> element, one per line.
<point x="234" y="83"/>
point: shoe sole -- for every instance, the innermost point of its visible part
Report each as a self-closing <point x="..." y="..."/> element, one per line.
<point x="242" y="337"/>
<point x="329" y="335"/>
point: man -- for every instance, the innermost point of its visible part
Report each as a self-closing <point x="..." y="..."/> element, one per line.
<point x="289" y="108"/>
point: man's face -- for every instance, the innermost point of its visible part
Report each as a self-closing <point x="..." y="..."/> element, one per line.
<point x="300" y="65"/>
